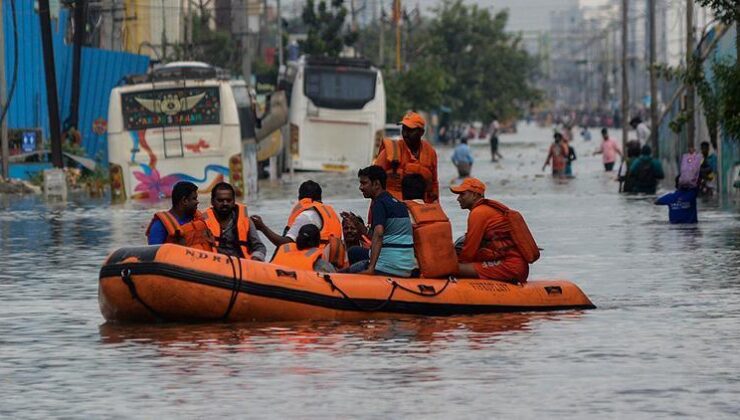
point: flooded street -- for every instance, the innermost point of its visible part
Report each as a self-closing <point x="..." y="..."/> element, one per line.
<point x="663" y="341"/>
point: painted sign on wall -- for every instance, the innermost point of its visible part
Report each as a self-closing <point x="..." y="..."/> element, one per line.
<point x="170" y="107"/>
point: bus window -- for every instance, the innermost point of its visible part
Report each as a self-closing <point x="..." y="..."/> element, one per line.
<point x="335" y="89"/>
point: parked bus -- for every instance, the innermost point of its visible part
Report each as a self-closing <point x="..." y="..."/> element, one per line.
<point x="181" y="122"/>
<point x="337" y="113"/>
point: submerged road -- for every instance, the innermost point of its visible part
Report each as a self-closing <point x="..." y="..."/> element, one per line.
<point x="663" y="341"/>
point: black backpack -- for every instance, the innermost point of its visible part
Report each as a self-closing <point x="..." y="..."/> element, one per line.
<point x="644" y="176"/>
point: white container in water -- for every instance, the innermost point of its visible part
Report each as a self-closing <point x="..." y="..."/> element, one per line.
<point x="55" y="183"/>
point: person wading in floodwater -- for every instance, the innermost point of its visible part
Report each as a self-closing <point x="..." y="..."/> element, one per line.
<point x="558" y="155"/>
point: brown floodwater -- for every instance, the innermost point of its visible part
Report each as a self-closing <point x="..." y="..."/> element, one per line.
<point x="662" y="343"/>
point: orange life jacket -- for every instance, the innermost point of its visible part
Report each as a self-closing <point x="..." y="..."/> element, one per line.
<point x="194" y="234"/>
<point x="290" y="256"/>
<point x="331" y="229"/>
<point x="517" y="236"/>
<point x="433" y="242"/>
<point x="242" y="227"/>
<point x="404" y="163"/>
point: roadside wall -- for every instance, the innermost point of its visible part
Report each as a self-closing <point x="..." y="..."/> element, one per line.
<point x="673" y="145"/>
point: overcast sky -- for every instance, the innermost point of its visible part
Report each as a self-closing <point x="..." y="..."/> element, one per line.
<point x="524" y="15"/>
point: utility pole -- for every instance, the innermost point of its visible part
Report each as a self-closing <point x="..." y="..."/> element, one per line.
<point x="51" y="84"/>
<point x="188" y="28"/>
<point x="243" y="30"/>
<point x="653" y="80"/>
<point x="78" y="39"/>
<point x="397" y="21"/>
<point x="625" y="84"/>
<point x="106" y="26"/>
<point x="690" y="93"/>
<point x="280" y="36"/>
<point x="381" y="37"/>
<point x="3" y="100"/>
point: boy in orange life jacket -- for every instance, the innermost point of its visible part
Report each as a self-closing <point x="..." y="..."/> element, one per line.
<point x="305" y="253"/>
<point x="229" y="223"/>
<point x="489" y="250"/>
<point x="182" y="224"/>
<point x="412" y="155"/>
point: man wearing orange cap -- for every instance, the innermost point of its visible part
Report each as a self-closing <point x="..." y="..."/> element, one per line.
<point x="489" y="250"/>
<point x="410" y="156"/>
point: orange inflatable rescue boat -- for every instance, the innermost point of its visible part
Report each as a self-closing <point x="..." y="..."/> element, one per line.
<point x="173" y="283"/>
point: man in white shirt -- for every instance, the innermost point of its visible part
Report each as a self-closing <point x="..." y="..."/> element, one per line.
<point x="642" y="129"/>
<point x="308" y="211"/>
<point x="307" y="190"/>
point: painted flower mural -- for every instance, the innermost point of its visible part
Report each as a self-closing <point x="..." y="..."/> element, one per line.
<point x="152" y="185"/>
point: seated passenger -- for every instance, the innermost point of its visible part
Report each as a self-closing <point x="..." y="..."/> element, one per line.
<point x="231" y="227"/>
<point x="498" y="244"/>
<point x="310" y="210"/>
<point x="182" y="224"/>
<point x="305" y="253"/>
<point x="392" y="244"/>
<point x="433" y="245"/>
<point x="356" y="241"/>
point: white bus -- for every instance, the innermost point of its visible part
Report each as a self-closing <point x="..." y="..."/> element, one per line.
<point x="337" y="113"/>
<point x="181" y="122"/>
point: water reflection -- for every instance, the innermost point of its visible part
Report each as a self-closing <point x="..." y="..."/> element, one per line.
<point x="422" y="334"/>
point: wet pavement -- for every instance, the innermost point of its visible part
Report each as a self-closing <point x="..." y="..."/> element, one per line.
<point x="662" y="343"/>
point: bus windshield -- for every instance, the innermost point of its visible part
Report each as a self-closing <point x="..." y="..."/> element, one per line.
<point x="339" y="88"/>
<point x="171" y="107"/>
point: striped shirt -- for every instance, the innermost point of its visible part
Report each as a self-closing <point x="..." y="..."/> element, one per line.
<point x="397" y="254"/>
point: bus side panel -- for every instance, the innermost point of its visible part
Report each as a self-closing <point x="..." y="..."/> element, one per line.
<point x="152" y="160"/>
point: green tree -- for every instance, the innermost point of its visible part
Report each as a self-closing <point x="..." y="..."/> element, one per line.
<point x="720" y="96"/>
<point x="488" y="71"/>
<point x="727" y="75"/>
<point x="419" y="88"/>
<point x="213" y="47"/>
<point x="326" y="33"/>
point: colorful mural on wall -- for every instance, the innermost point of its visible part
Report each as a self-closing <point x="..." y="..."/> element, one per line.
<point x="150" y="184"/>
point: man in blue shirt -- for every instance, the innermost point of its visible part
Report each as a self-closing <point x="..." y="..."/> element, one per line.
<point x="184" y="209"/>
<point x="681" y="205"/>
<point x="462" y="158"/>
<point x="392" y="244"/>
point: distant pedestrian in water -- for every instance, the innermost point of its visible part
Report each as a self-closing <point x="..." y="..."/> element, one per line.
<point x="644" y="173"/>
<point x="609" y="150"/>
<point x="463" y="159"/>
<point x="586" y="134"/>
<point x="642" y="129"/>
<point x="681" y="205"/>
<point x="707" y="171"/>
<point x="558" y="156"/>
<point x="494" y="129"/>
<point x="571" y="158"/>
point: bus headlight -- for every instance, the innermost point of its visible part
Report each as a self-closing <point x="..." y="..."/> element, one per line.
<point x="235" y="174"/>
<point x="117" y="192"/>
